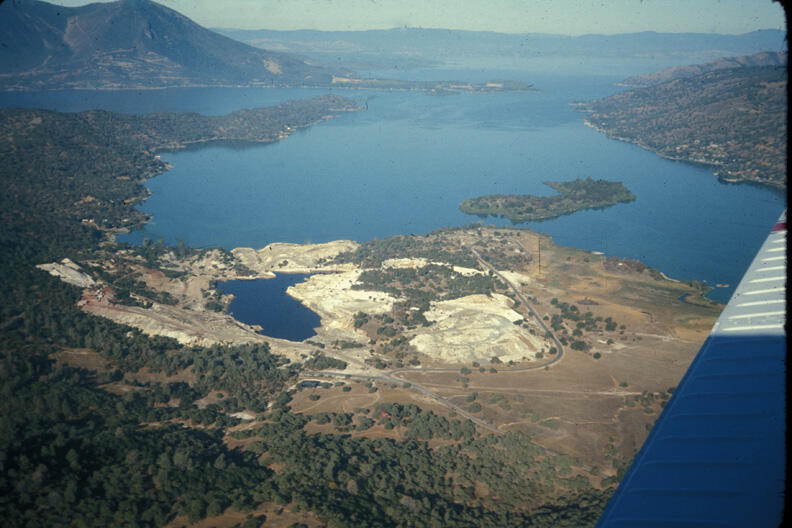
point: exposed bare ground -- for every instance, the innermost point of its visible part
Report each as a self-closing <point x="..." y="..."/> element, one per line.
<point x="580" y="406"/>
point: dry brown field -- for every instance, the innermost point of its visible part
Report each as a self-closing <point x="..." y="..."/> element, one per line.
<point x="275" y="517"/>
<point x="598" y="410"/>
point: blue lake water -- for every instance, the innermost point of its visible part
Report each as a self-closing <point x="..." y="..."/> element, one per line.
<point x="404" y="166"/>
<point x="265" y="302"/>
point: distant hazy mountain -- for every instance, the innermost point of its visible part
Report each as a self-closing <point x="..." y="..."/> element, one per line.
<point x="766" y="58"/>
<point x="131" y="44"/>
<point x="414" y="46"/>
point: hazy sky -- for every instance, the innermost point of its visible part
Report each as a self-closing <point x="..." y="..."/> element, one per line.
<point x="570" y="17"/>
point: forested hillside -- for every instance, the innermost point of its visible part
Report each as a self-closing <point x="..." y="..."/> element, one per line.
<point x="73" y="175"/>
<point x="766" y="58"/>
<point x="732" y="119"/>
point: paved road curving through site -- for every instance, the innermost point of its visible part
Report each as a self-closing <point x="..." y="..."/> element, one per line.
<point x="525" y="302"/>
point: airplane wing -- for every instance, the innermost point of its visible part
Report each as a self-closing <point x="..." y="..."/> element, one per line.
<point x="716" y="455"/>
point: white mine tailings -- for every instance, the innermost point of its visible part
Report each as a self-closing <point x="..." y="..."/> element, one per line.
<point x="332" y="297"/>
<point x="69" y="272"/>
<point x="476" y="328"/>
<point x="294" y="258"/>
<point x="471" y="328"/>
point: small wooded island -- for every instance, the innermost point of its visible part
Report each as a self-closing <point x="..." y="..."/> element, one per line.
<point x="572" y="196"/>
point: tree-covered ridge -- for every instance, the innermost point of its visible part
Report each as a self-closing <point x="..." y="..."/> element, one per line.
<point x="67" y="177"/>
<point x="265" y="124"/>
<point x="765" y="58"/>
<point x="439" y="246"/>
<point x="732" y="119"/>
<point x="372" y="253"/>
<point x="572" y="196"/>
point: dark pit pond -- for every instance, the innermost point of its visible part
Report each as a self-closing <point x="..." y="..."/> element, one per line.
<point x="264" y="302"/>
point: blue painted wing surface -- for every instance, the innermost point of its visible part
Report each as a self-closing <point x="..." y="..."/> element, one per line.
<point x="716" y="456"/>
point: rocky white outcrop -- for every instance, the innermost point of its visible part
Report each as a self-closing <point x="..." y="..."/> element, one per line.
<point x="69" y="272"/>
<point x="294" y="258"/>
<point x="332" y="297"/>
<point x="402" y="263"/>
<point x="420" y="262"/>
<point x="476" y="328"/>
<point x="189" y="327"/>
<point x="468" y="272"/>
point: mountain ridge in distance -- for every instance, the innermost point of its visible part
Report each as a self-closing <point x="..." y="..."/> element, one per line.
<point x="132" y="44"/>
<point x="765" y="58"/>
<point x="417" y="47"/>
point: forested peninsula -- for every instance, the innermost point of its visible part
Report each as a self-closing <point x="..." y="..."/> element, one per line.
<point x="732" y="119"/>
<point x="572" y="196"/>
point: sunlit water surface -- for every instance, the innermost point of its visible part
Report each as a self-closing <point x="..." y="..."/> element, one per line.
<point x="405" y="164"/>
